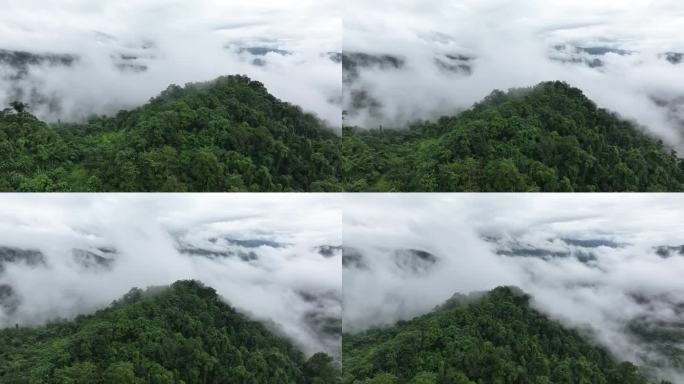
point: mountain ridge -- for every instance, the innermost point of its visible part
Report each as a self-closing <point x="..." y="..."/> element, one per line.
<point x="548" y="138"/>
<point x="183" y="333"/>
<point x="228" y="134"/>
<point x="492" y="337"/>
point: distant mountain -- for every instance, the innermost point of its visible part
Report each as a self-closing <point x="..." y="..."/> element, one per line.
<point x="21" y="71"/>
<point x="547" y="138"/>
<point x="318" y="313"/>
<point x="359" y="98"/>
<point x="184" y="333"/>
<point x="408" y="262"/>
<point x="591" y="56"/>
<point x="493" y="337"/>
<point x="226" y="135"/>
<point x="257" y="53"/>
<point x="660" y="334"/>
<point x="20" y="62"/>
<point x="581" y="250"/>
<point x="673" y="57"/>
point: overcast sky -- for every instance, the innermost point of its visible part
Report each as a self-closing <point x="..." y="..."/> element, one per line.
<point x="510" y="43"/>
<point x="185" y="41"/>
<point x="600" y="295"/>
<point x="145" y="230"/>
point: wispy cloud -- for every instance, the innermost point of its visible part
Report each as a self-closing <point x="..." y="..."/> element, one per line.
<point x="515" y="44"/>
<point x="260" y="252"/>
<point x="128" y="51"/>
<point x="592" y="261"/>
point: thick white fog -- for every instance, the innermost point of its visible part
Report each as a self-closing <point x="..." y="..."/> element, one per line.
<point x="125" y="52"/>
<point x="594" y="262"/>
<point x="615" y="51"/>
<point x="260" y="252"/>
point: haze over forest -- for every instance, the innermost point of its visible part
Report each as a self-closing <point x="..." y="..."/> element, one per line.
<point x="274" y="258"/>
<point x="420" y="60"/>
<point x="71" y="60"/>
<point x="609" y="267"/>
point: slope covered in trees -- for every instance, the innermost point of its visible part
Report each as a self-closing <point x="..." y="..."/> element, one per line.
<point x="179" y="334"/>
<point x="547" y="138"/>
<point x="226" y="135"/>
<point x="495" y="339"/>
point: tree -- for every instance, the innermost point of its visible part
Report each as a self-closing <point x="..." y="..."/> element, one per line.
<point x="19" y="106"/>
<point x="120" y="373"/>
<point x="497" y="338"/>
<point x="546" y="138"/>
<point x="184" y="333"/>
<point x="321" y="369"/>
<point x="228" y="134"/>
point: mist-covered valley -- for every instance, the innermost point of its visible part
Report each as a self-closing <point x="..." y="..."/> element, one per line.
<point x="418" y="61"/>
<point x="277" y="259"/>
<point x="77" y="60"/>
<point x="605" y="266"/>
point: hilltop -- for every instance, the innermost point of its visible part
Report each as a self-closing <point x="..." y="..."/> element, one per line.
<point x="229" y="134"/>
<point x="548" y="138"/>
<point x="184" y="333"/>
<point x="492" y="337"/>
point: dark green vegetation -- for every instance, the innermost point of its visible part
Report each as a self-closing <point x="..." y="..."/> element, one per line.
<point x="181" y="334"/>
<point x="496" y="339"/>
<point x="547" y="138"/>
<point x="231" y="135"/>
<point x="226" y="135"/>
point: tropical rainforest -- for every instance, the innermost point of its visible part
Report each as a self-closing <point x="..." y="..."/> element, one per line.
<point x="179" y="334"/>
<point x="548" y="138"/>
<point x="226" y="135"/>
<point x="232" y="135"/>
<point x="496" y="338"/>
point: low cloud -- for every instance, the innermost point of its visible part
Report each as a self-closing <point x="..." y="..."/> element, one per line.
<point x="262" y="253"/>
<point x="622" y="55"/>
<point x="609" y="265"/>
<point x="125" y="52"/>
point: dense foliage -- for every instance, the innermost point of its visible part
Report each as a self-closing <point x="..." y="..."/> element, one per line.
<point x="496" y="339"/>
<point x="232" y="135"/>
<point x="181" y="334"/>
<point x="226" y="135"/>
<point x="548" y="138"/>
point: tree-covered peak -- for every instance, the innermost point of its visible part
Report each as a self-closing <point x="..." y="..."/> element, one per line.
<point x="548" y="138"/>
<point x="183" y="333"/>
<point x="239" y="85"/>
<point x="511" y="293"/>
<point x="225" y="135"/>
<point x="558" y="89"/>
<point x="485" y="337"/>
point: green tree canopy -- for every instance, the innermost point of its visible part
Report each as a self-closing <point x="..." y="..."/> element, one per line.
<point x="226" y="135"/>
<point x="184" y="333"/>
<point x="497" y="338"/>
<point x="549" y="138"/>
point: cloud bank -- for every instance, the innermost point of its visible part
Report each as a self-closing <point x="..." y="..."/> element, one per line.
<point x="121" y="53"/>
<point x="609" y="265"/>
<point x="626" y="56"/>
<point x="63" y="255"/>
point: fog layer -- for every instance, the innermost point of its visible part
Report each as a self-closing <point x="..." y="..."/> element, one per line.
<point x="260" y="252"/>
<point x="626" y="56"/>
<point x="609" y="265"/>
<point x="72" y="59"/>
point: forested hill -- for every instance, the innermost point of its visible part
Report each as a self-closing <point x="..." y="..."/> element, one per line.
<point x="182" y="334"/>
<point x="226" y="135"/>
<point x="547" y="138"/>
<point x="494" y="339"/>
